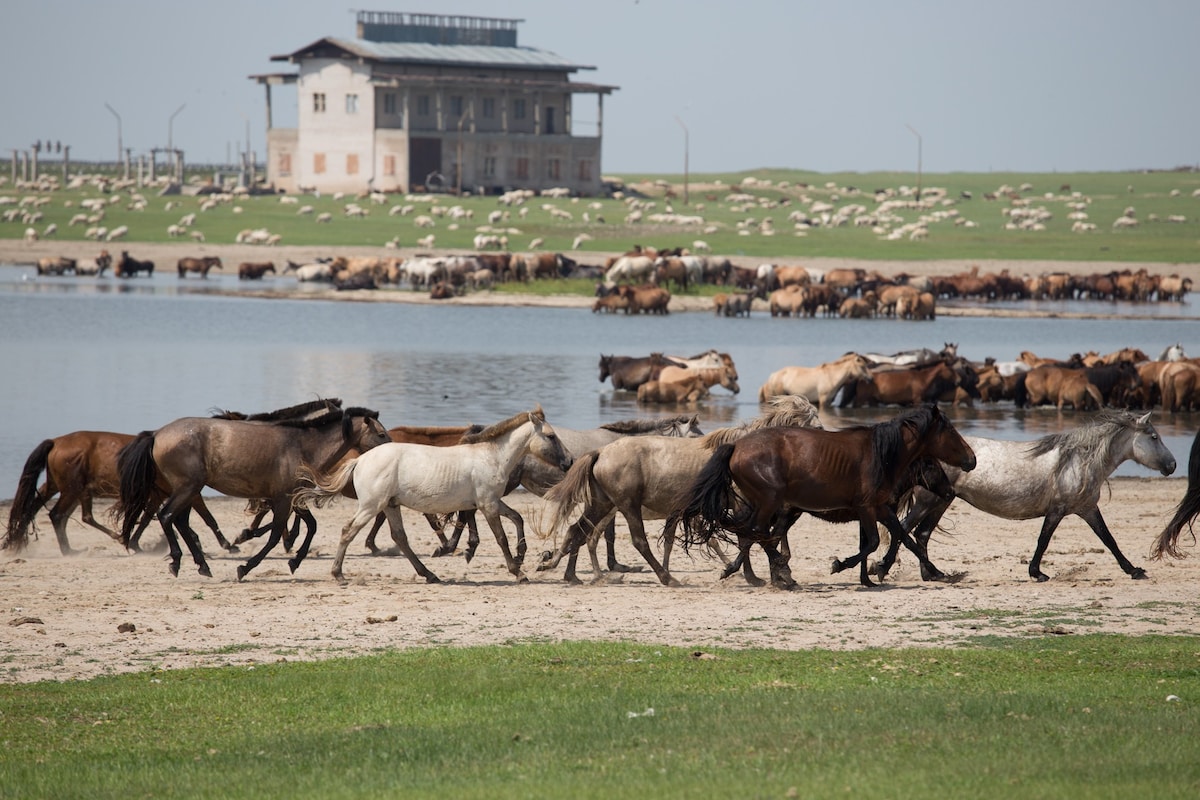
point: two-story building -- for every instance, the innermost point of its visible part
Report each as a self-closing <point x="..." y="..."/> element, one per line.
<point x="447" y="103"/>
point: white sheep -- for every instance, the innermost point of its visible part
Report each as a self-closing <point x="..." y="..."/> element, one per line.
<point x="425" y="241"/>
<point x="118" y="232"/>
<point x="325" y="216"/>
<point x="537" y="243"/>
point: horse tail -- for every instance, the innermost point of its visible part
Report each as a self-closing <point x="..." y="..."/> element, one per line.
<point x="1094" y="392"/>
<point x="575" y="489"/>
<point x="27" y="500"/>
<point x="320" y="490"/>
<point x="1185" y="513"/>
<point x="138" y="474"/>
<point x="705" y="509"/>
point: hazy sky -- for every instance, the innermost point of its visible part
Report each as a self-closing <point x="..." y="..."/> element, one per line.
<point x="1025" y="85"/>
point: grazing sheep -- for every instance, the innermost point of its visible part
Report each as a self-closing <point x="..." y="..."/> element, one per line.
<point x="303" y="210"/>
<point x="197" y="236"/>
<point x="536" y="243"/>
<point x="119" y="232"/>
<point x="425" y="241"/>
<point x="325" y="216"/>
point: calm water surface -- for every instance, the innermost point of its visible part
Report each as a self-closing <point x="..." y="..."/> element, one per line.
<point x="102" y="354"/>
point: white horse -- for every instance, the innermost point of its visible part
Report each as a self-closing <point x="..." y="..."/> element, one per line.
<point x="1173" y="353"/>
<point x="441" y="480"/>
<point x="1050" y="477"/>
<point x="820" y="384"/>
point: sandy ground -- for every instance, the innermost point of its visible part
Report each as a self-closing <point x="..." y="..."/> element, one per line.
<point x="69" y="617"/>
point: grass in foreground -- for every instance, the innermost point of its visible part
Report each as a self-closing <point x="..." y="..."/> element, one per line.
<point x="1065" y="717"/>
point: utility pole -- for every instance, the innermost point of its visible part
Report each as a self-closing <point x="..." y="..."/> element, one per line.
<point x="685" y="158"/>
<point x="914" y="132"/>
<point x="120" y="146"/>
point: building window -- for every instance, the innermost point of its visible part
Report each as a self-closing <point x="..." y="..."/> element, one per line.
<point x="319" y="163"/>
<point x="352" y="164"/>
<point x="389" y="165"/>
<point x="549" y="119"/>
<point x="523" y="168"/>
<point x="456" y="106"/>
<point x="489" y="108"/>
<point x="489" y="166"/>
<point x="519" y="108"/>
<point x="554" y="169"/>
<point x="389" y="103"/>
<point x="585" y="169"/>
<point x="318" y="102"/>
<point x="351" y="104"/>
<point x="285" y="164"/>
<point x="423" y="105"/>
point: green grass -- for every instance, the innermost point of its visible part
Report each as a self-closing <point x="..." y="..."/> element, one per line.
<point x="1160" y="194"/>
<point x="1079" y="716"/>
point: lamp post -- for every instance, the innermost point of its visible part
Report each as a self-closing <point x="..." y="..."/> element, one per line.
<point x="685" y="158"/>
<point x="914" y="132"/>
<point x="120" y="146"/>
<point x="170" y="124"/>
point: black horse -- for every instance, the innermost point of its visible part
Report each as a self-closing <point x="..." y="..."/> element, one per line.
<point x="1185" y="513"/>
<point x="129" y="267"/>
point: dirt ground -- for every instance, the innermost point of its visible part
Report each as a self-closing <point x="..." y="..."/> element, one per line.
<point x="108" y="611"/>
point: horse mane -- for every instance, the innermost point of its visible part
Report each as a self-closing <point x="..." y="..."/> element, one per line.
<point x="291" y="412"/>
<point x="636" y="426"/>
<point x="504" y="426"/>
<point x="887" y="439"/>
<point x="785" y="411"/>
<point x="1093" y="439"/>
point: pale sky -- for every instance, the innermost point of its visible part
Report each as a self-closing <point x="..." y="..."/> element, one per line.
<point x="1021" y="85"/>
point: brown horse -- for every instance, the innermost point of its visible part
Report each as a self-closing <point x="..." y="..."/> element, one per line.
<point x="239" y="458"/>
<point x="253" y="271"/>
<point x="630" y="372"/>
<point x="201" y="265"/>
<point x="79" y="467"/>
<point x="128" y="266"/>
<point x="757" y="487"/>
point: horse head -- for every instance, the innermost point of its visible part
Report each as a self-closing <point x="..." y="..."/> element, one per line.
<point x="1148" y="447"/>
<point x="545" y="444"/>
<point x="605" y="367"/>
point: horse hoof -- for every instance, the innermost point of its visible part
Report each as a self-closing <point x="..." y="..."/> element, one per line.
<point x="232" y="548"/>
<point x="522" y="577"/>
<point x="241" y="572"/>
<point x="758" y="582"/>
<point x="573" y="580"/>
<point x="205" y="571"/>
<point x="617" y="566"/>
<point x="174" y="569"/>
<point x="440" y="552"/>
<point x="469" y="554"/>
<point x="293" y="563"/>
<point x="1138" y="574"/>
<point x="431" y="578"/>
<point x="836" y="567"/>
<point x="1040" y="577"/>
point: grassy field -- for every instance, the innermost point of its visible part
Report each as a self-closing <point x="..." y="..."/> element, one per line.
<point x="1086" y="716"/>
<point x="731" y="227"/>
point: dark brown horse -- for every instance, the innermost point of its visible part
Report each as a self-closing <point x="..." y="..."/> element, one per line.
<point x="757" y="487"/>
<point x="630" y="372"/>
<point x="201" y="265"/>
<point x="914" y="385"/>
<point x="254" y="270"/>
<point x="79" y="467"/>
<point x="1185" y="513"/>
<point x="239" y="458"/>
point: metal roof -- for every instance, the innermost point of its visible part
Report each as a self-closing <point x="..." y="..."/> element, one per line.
<point x="449" y="54"/>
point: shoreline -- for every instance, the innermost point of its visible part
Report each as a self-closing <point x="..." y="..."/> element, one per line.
<point x="19" y="252"/>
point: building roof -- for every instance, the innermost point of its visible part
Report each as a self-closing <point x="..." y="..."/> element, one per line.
<point x="445" y="54"/>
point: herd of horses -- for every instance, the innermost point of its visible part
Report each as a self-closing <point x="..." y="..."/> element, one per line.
<point x="744" y="485"/>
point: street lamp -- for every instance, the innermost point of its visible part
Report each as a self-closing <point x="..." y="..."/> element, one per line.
<point x="914" y="132"/>
<point x="170" y="124"/>
<point x="685" y="158"/>
<point x="120" y="147"/>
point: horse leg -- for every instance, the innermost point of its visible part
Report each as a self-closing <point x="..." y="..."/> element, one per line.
<point x="1094" y="519"/>
<point x="578" y="533"/>
<point x="293" y="533"/>
<point x="58" y="518"/>
<point x="183" y="523"/>
<point x="493" y="517"/>
<point x="85" y="504"/>
<point x="136" y="536"/>
<point x="254" y="530"/>
<point x="200" y="508"/>
<point x="868" y="541"/>
<point x="637" y="530"/>
<point x="1048" y="525"/>
<point x="781" y="573"/>
<point x="899" y="534"/>
<point x="280" y="511"/>
<point x="467" y="517"/>
<point x="396" y="526"/>
<point x="610" y="540"/>
<point x="310" y="523"/>
<point x="379" y="520"/>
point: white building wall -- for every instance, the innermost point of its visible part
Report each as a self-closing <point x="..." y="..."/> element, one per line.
<point x="336" y="145"/>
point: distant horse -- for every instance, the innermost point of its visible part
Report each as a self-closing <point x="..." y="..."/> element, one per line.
<point x="79" y="467"/>
<point x="200" y="265"/>
<point x="630" y="372"/>
<point x="724" y="375"/>
<point x="239" y="458"/>
<point x="755" y="488"/>
<point x="254" y="271"/>
<point x="1052" y="477"/>
<point x="643" y="477"/>
<point x="1185" y="513"/>
<point x="129" y="267"/>
<point x="820" y="384"/>
<point x="440" y="480"/>
<point x="94" y="266"/>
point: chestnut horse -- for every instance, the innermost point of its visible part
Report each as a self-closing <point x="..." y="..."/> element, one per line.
<point x="79" y="467"/>
<point x="201" y="265"/>
<point x="754" y="489"/>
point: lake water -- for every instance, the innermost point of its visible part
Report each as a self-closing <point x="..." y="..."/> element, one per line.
<point x="105" y="354"/>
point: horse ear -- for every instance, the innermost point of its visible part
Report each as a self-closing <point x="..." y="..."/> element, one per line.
<point x="1144" y="419"/>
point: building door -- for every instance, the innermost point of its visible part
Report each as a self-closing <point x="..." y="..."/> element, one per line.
<point x="425" y="163"/>
<point x="550" y="119"/>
